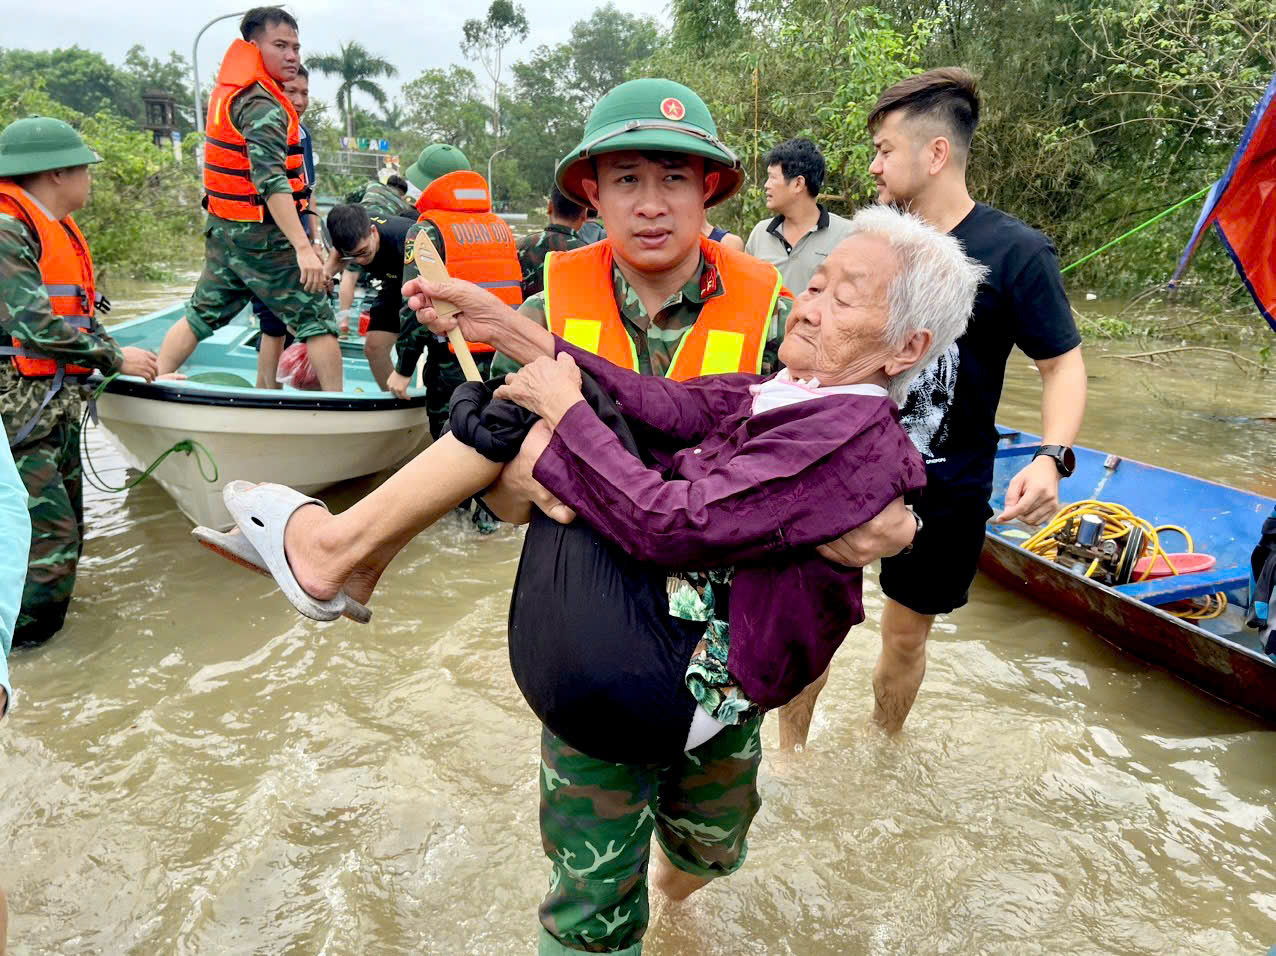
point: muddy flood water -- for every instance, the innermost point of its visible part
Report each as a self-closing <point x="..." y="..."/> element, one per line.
<point x="192" y="768"/>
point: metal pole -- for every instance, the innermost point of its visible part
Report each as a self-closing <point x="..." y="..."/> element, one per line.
<point x="199" y="109"/>
<point x="489" y="167"/>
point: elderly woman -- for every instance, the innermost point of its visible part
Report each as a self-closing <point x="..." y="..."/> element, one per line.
<point x="737" y="476"/>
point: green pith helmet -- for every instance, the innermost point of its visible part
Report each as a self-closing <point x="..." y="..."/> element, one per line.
<point x="435" y="160"/>
<point x="651" y="114"/>
<point x="40" y="143"/>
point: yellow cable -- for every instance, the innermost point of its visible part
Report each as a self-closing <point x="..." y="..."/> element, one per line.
<point x="1118" y="521"/>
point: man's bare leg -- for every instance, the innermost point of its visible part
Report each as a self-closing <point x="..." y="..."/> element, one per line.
<point x="376" y="348"/>
<point x="674" y="883"/>
<point x="324" y="352"/>
<point x="330" y="552"/>
<point x="901" y="665"/>
<point x="272" y="346"/>
<point x="179" y="342"/>
<point x="795" y="716"/>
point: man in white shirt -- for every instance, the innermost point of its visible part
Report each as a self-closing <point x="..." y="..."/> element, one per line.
<point x="803" y="233"/>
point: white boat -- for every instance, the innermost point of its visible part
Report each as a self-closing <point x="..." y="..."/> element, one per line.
<point x="306" y="439"/>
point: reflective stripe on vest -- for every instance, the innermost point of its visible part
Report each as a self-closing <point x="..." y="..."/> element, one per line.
<point x="477" y="246"/>
<point x="729" y="335"/>
<point x="66" y="268"/>
<point x="228" y="183"/>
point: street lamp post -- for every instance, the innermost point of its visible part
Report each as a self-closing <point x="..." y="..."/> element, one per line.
<point x="489" y="167"/>
<point x="199" y="109"/>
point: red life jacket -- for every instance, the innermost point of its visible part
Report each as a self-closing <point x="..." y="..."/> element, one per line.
<point x="477" y="244"/>
<point x="228" y="184"/>
<point x="67" y="270"/>
<point x="729" y="335"/>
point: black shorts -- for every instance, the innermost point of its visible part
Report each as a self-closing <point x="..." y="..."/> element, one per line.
<point x="383" y="317"/>
<point x="269" y="323"/>
<point x="935" y="576"/>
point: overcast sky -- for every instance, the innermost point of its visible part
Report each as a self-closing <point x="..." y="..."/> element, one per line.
<point x="410" y="40"/>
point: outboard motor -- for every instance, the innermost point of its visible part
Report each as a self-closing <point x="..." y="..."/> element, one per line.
<point x="1081" y="546"/>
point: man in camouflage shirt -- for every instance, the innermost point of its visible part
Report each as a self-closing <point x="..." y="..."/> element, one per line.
<point x="384" y="199"/>
<point x="45" y="162"/>
<point x="273" y="258"/>
<point x="565" y="219"/>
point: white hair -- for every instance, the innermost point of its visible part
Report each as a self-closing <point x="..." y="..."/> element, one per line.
<point x="934" y="288"/>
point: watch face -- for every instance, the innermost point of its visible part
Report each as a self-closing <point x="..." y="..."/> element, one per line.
<point x="1069" y="461"/>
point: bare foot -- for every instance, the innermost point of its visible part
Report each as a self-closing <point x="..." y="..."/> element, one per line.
<point x="319" y="564"/>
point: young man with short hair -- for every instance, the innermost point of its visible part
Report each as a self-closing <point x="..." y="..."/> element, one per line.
<point x="802" y="233"/>
<point x="375" y="246"/>
<point x="255" y="189"/>
<point x="562" y="233"/>
<point x="922" y="129"/>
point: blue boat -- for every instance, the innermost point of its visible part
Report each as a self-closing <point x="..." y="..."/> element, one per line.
<point x="307" y="439"/>
<point x="1220" y="656"/>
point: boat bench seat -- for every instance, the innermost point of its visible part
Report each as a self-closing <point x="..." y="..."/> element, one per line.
<point x="1183" y="586"/>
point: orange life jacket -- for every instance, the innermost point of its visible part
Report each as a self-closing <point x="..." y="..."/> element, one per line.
<point x="729" y="335"/>
<point x="228" y="185"/>
<point x="67" y="270"/>
<point x="477" y="244"/>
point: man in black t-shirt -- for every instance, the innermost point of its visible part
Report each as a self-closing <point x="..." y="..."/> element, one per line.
<point x="922" y="129"/>
<point x="374" y="245"/>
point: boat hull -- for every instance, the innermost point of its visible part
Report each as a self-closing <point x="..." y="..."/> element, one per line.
<point x="305" y="448"/>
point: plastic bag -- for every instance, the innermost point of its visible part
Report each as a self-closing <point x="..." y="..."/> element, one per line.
<point x="295" y="368"/>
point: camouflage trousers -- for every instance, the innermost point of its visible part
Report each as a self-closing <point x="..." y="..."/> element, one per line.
<point x="50" y="470"/>
<point x="597" y="819"/>
<point x="234" y="272"/>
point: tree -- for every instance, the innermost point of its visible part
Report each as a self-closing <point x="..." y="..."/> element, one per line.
<point x="79" y="79"/>
<point x="170" y="76"/>
<point x="487" y="39"/>
<point x="446" y="106"/>
<point x="603" y="48"/>
<point x="357" y="69"/>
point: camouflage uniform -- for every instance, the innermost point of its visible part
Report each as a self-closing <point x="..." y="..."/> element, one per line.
<point x="699" y="807"/>
<point x="49" y="457"/>
<point x="532" y="251"/>
<point x="442" y="370"/>
<point x="382" y="200"/>
<point x="656" y="341"/>
<point x="243" y="259"/>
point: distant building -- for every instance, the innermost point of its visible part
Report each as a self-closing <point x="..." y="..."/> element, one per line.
<point x="160" y="115"/>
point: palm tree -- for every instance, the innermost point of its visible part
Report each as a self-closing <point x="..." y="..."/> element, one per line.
<point x="357" y="69"/>
<point x="393" y="116"/>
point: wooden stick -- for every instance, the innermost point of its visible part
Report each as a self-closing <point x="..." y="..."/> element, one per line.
<point x="431" y="267"/>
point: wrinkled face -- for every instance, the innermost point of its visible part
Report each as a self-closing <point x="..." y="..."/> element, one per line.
<point x="781" y="193"/>
<point x="280" y="51"/>
<point x="298" y="92"/>
<point x="899" y="165"/>
<point x="836" y="331"/>
<point x="363" y="253"/>
<point x="653" y="205"/>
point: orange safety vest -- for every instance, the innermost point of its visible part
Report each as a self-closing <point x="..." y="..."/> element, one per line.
<point x="477" y="244"/>
<point x="729" y="335"/>
<point x="67" y="270"/>
<point x="228" y="186"/>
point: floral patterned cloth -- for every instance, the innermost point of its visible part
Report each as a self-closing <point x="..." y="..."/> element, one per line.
<point x="691" y="598"/>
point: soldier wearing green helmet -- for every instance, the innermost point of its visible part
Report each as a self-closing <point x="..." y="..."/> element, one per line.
<point x="49" y="342"/>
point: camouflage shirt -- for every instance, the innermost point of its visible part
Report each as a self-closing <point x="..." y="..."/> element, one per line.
<point x="533" y="249"/>
<point x="413" y="336"/>
<point x="264" y="124"/>
<point x="26" y="314"/>
<point x="656" y="338"/>
<point x="382" y="200"/>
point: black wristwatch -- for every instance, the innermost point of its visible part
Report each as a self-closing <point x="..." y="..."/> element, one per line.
<point x="1064" y="458"/>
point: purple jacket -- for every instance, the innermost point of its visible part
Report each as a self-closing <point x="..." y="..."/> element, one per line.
<point x="755" y="491"/>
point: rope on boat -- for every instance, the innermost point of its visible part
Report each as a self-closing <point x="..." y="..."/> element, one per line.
<point x="1118" y="521"/>
<point x="187" y="446"/>
<point x="1137" y="229"/>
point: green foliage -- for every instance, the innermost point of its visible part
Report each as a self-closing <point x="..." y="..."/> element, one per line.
<point x="446" y="106"/>
<point x="803" y="68"/>
<point x="143" y="213"/>
<point x="486" y="39"/>
<point x="358" y="70"/>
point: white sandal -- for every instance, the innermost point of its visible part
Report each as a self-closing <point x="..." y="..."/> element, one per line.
<point x="262" y="513"/>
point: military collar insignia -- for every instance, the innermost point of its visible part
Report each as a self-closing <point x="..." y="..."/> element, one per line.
<point x="672" y="108"/>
